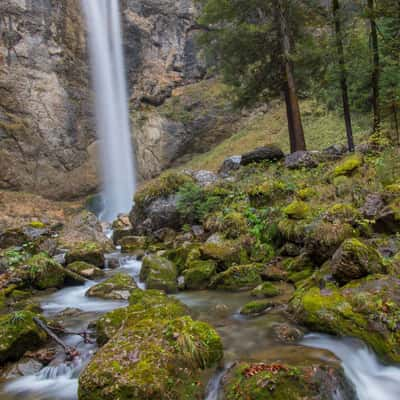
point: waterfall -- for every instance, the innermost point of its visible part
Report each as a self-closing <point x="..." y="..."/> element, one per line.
<point x="111" y="100"/>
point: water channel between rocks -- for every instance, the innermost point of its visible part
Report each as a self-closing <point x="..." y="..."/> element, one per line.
<point x="243" y="339"/>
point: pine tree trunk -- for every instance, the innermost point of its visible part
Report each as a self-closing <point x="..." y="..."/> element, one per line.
<point x="376" y="66"/>
<point x="296" y="133"/>
<point x="343" y="75"/>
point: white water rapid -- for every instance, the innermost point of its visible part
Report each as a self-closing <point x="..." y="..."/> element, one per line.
<point x="111" y="100"/>
<point x="371" y="379"/>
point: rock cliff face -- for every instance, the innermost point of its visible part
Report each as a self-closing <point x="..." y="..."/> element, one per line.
<point x="47" y="140"/>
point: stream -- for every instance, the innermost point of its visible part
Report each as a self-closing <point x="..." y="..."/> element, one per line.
<point x="243" y="338"/>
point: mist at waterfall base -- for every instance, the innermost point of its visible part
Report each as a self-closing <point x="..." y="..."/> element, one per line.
<point x="111" y="101"/>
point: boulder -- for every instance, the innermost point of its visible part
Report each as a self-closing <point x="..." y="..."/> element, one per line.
<point x="388" y="219"/>
<point x="302" y="159"/>
<point x="117" y="287"/>
<point x="353" y="260"/>
<point x="372" y="206"/>
<point x="143" y="304"/>
<point x="18" y="334"/>
<point x="204" y="178"/>
<point x="267" y="153"/>
<point x="367" y="309"/>
<point x="130" y="244"/>
<point x="159" y="273"/>
<point x="42" y="272"/>
<point x="257" y="307"/>
<point x="199" y="274"/>
<point x="334" y="151"/>
<point x="152" y="352"/>
<point x="349" y="165"/>
<point x="238" y="278"/>
<point x="266" y="289"/>
<point x="229" y="165"/>
<point x="266" y="381"/>
<point x="86" y="270"/>
<point x="297" y="210"/>
<point x="90" y="252"/>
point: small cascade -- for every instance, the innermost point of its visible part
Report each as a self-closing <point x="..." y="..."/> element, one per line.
<point x="371" y="379"/>
<point x="112" y="115"/>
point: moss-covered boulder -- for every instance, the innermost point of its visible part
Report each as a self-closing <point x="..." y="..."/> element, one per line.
<point x="199" y="274"/>
<point x="388" y="219"/>
<point x="159" y="273"/>
<point x="262" y="381"/>
<point x="348" y="165"/>
<point x="297" y="210"/>
<point x="265" y="290"/>
<point x="238" y="278"/>
<point x="257" y="307"/>
<point x="117" y="287"/>
<point x="86" y="270"/>
<point x="18" y="334"/>
<point x="368" y="309"/>
<point x="90" y="252"/>
<point x="355" y="259"/>
<point x="130" y="244"/>
<point x="43" y="272"/>
<point x="154" y="359"/>
<point x="224" y="252"/>
<point x="148" y="304"/>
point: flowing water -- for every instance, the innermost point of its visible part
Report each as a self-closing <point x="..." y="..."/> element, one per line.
<point x="243" y="338"/>
<point x="112" y="117"/>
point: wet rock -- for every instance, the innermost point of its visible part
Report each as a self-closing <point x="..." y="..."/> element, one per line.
<point x="199" y="274"/>
<point x="86" y="270"/>
<point x="148" y="304"/>
<point x="118" y="287"/>
<point x="247" y="381"/>
<point x="165" y="235"/>
<point x="238" y="278"/>
<point x="121" y="227"/>
<point x="18" y="334"/>
<point x="159" y="273"/>
<point x="90" y="252"/>
<point x="367" y="309"/>
<point x="353" y="260"/>
<point x="287" y="333"/>
<point x="257" y="307"/>
<point x="130" y="244"/>
<point x="266" y="289"/>
<point x="149" y="345"/>
<point x="229" y="165"/>
<point x="24" y="367"/>
<point x="302" y="159"/>
<point x="268" y="153"/>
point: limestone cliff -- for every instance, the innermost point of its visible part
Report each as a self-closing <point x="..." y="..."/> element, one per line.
<point x="47" y="140"/>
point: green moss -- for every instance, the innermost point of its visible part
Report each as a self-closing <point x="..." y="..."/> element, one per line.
<point x="86" y="270"/>
<point x="232" y="225"/>
<point x="163" y="186"/>
<point x="277" y="381"/>
<point x="266" y="289"/>
<point x="149" y="304"/>
<point x="305" y="193"/>
<point x="297" y="210"/>
<point x="226" y="253"/>
<point x="43" y="272"/>
<point x="117" y="287"/>
<point x="152" y="359"/>
<point x="366" y="309"/>
<point x="159" y="273"/>
<point x="90" y="252"/>
<point x="299" y="276"/>
<point x="130" y="244"/>
<point x="199" y="274"/>
<point x="348" y="165"/>
<point x="238" y="278"/>
<point x="343" y="212"/>
<point x="256" y="307"/>
<point x="18" y="333"/>
<point x="37" y="224"/>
